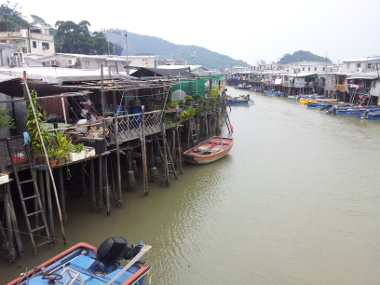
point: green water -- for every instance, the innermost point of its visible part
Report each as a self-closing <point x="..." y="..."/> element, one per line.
<point x="296" y="201"/>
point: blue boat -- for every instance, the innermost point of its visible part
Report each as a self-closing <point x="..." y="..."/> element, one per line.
<point x="85" y="264"/>
<point x="239" y="100"/>
<point x="370" y="115"/>
<point x="273" y="93"/>
<point x="354" y="110"/>
<point x="319" y="105"/>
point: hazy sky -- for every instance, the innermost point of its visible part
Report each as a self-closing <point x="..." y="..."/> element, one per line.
<point x="246" y="30"/>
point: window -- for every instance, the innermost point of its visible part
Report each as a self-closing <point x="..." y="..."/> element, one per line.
<point x="45" y="46"/>
<point x="303" y="68"/>
<point x="358" y="65"/>
<point x="315" y="69"/>
<point x="308" y="69"/>
<point x="324" y="68"/>
<point x="369" y="65"/>
<point x="34" y="43"/>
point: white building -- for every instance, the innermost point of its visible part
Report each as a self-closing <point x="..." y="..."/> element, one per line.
<point x="31" y="40"/>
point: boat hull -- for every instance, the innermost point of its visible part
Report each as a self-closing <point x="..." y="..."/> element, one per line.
<point x="82" y="259"/>
<point x="303" y="101"/>
<point x="209" y="151"/>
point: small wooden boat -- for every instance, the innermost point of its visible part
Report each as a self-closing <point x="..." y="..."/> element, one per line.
<point x="85" y="264"/>
<point x="208" y="151"/>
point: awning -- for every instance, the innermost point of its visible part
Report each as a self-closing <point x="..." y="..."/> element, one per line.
<point x="306" y="75"/>
<point x="11" y="85"/>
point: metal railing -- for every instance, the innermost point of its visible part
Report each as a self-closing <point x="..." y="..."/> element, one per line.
<point x="129" y="127"/>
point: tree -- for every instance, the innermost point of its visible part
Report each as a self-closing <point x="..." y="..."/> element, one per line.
<point x="300" y="56"/>
<point x="72" y="38"/>
<point x="100" y="44"/>
<point x="10" y="17"/>
<point x="76" y="38"/>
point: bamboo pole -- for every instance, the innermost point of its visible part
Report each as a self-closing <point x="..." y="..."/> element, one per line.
<point x="48" y="165"/>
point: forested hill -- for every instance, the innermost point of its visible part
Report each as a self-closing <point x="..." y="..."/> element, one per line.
<point x="301" y="55"/>
<point x="141" y="44"/>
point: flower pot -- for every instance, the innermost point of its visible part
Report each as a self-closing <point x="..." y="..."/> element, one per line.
<point x="61" y="160"/>
<point x="74" y="156"/>
<point x="41" y="160"/>
<point x="53" y="163"/>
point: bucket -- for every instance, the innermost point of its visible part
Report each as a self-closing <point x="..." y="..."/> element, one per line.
<point x="18" y="158"/>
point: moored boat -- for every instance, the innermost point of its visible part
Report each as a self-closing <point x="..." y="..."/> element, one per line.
<point x="209" y="151"/>
<point x="239" y="100"/>
<point x="370" y="115"/>
<point x="273" y="93"/>
<point x="85" y="264"/>
<point x="314" y="100"/>
<point x="245" y="87"/>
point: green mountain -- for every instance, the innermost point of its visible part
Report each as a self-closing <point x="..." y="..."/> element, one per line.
<point x="148" y="45"/>
<point x="300" y="56"/>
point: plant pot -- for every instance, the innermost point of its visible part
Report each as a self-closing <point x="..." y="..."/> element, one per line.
<point x="61" y="160"/>
<point x="41" y="160"/>
<point x="74" y="156"/>
<point x="53" y="163"/>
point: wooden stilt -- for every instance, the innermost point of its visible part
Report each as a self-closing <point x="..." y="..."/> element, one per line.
<point x="83" y="176"/>
<point x="62" y="195"/>
<point x="100" y="184"/>
<point x="11" y="252"/>
<point x="49" y="204"/>
<point x="106" y="185"/>
<point x="119" y="202"/>
<point x="143" y="153"/>
<point x="92" y="185"/>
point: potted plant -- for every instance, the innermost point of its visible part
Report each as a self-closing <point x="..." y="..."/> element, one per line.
<point x="77" y="152"/>
<point x="52" y="154"/>
<point x="64" y="146"/>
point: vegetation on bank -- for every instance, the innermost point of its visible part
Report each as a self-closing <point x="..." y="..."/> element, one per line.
<point x="71" y="37"/>
<point x="300" y="56"/>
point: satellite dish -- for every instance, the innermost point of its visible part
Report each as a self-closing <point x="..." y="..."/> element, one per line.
<point x="179" y="95"/>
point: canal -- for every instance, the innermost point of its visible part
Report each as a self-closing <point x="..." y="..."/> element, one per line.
<point x="296" y="201"/>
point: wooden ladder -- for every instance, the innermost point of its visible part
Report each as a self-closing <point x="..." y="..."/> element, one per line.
<point x="193" y="132"/>
<point x="24" y="163"/>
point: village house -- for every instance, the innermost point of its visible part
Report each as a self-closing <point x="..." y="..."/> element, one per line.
<point x="30" y="40"/>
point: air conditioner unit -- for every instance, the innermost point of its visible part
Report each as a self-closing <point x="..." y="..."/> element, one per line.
<point x="13" y="61"/>
<point x="359" y="69"/>
<point x="53" y="63"/>
<point x="71" y="61"/>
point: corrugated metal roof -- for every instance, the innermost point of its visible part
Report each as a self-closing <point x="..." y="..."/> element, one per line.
<point x="301" y="74"/>
<point x="362" y="76"/>
<point x="53" y="75"/>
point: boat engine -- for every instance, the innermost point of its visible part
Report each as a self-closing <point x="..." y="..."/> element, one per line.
<point x="114" y="249"/>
